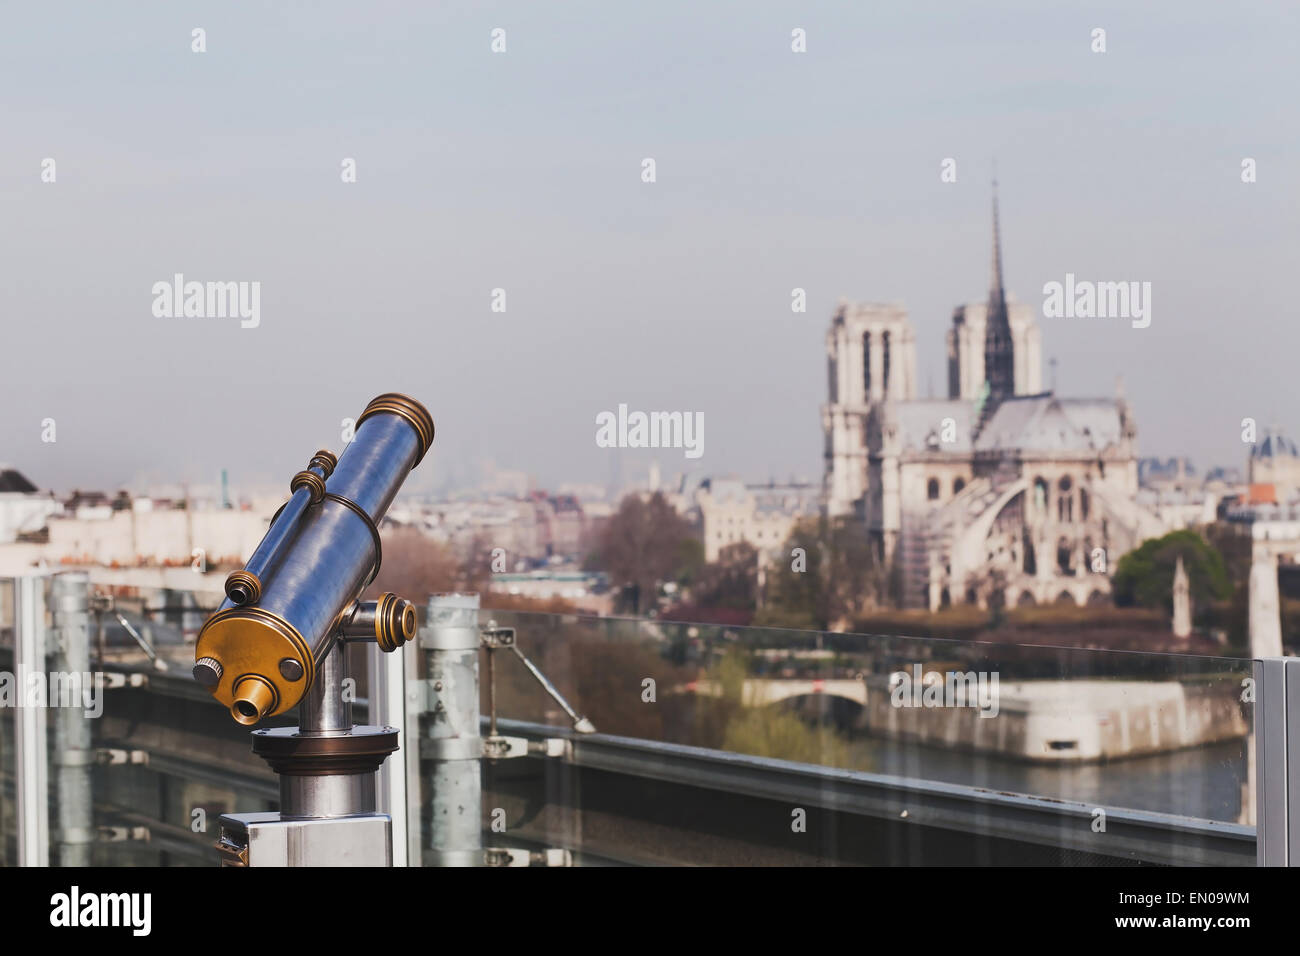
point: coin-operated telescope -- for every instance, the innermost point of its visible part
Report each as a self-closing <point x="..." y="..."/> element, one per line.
<point x="279" y="641"/>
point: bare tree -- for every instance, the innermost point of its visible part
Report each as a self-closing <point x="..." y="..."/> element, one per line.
<point x="642" y="546"/>
<point x="415" y="566"/>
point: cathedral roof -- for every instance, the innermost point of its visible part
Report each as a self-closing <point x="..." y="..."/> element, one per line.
<point x="1042" y="424"/>
<point x="921" y="424"/>
<point x="1046" y="423"/>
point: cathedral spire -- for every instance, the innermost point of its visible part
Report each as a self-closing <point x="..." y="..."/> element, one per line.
<point x="999" y="360"/>
<point x="995" y="286"/>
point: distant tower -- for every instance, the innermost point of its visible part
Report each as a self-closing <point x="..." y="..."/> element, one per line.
<point x="1182" y="601"/>
<point x="999" y="352"/>
<point x="1275" y="460"/>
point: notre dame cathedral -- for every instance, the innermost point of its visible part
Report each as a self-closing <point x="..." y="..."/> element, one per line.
<point x="1002" y="492"/>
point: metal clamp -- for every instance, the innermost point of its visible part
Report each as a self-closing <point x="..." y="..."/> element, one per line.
<point x="494" y="638"/>
<point x="501" y="747"/>
<point x="114" y="680"/>
<point x="551" y="747"/>
<point x="122" y="834"/>
<point x="510" y="856"/>
<point x="231" y="853"/>
<point x="111" y="756"/>
<point x="498" y="747"/>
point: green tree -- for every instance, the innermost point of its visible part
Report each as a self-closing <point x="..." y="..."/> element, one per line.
<point x="1145" y="576"/>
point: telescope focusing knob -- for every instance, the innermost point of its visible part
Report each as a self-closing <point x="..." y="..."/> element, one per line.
<point x="207" y="671"/>
<point x="390" y="622"/>
<point x="313" y="482"/>
<point x="395" y="622"/>
<point x="325" y="460"/>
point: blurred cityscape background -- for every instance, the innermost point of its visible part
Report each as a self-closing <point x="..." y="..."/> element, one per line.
<point x="908" y="462"/>
<point x="1003" y="511"/>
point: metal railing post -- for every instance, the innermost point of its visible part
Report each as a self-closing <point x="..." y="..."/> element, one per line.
<point x="413" y="703"/>
<point x="74" y="752"/>
<point x="450" y="744"/>
<point x="1275" y="761"/>
<point x="31" y="754"/>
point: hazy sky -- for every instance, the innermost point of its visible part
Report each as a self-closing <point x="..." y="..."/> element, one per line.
<point x="522" y="171"/>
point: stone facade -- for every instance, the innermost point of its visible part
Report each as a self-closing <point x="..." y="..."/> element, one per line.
<point x="761" y="515"/>
<point x="871" y="358"/>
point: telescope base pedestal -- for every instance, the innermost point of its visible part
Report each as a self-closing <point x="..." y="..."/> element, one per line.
<point x="268" y="839"/>
<point x="327" y="813"/>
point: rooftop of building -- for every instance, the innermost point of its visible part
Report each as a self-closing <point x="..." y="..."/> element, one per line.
<point x="1274" y="445"/>
<point x="13" y="481"/>
<point x="1032" y="423"/>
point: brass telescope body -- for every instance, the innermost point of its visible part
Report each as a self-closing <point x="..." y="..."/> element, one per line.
<point x="259" y="652"/>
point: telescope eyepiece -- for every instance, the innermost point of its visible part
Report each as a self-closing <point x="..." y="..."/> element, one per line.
<point x="254" y="699"/>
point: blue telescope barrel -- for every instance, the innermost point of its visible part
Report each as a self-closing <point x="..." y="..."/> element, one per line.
<point x="259" y="651"/>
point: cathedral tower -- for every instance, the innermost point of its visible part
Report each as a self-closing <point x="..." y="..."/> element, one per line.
<point x="871" y="359"/>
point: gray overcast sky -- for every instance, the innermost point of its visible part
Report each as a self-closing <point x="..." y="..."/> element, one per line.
<point x="522" y="171"/>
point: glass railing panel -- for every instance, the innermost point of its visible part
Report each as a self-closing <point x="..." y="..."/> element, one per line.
<point x="1149" y="740"/>
<point x="723" y="745"/>
<point x="170" y="760"/>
